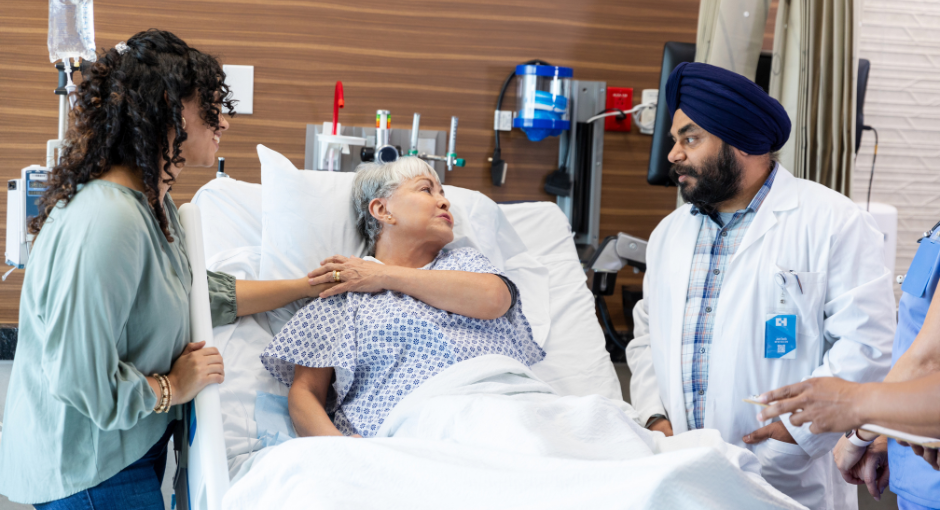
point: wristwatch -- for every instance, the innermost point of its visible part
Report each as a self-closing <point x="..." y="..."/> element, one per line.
<point x="853" y="438"/>
<point x="654" y="418"/>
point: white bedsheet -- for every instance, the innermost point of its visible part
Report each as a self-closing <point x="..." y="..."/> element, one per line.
<point x="486" y="433"/>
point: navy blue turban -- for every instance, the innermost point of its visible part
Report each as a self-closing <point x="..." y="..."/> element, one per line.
<point x="729" y="106"/>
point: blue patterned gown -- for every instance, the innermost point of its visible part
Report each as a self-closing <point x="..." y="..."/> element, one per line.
<point x="382" y="346"/>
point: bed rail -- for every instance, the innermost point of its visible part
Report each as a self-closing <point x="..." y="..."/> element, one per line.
<point x="202" y="478"/>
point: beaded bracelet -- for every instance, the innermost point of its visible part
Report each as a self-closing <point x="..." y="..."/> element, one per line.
<point x="166" y="394"/>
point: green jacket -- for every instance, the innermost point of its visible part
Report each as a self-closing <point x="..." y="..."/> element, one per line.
<point x="105" y="302"/>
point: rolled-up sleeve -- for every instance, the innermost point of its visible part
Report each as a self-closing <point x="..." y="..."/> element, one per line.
<point x="222" y="304"/>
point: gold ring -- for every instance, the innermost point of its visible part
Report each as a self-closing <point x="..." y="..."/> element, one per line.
<point x="336" y="277"/>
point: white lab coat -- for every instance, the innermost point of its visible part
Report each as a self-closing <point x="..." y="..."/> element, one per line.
<point x="845" y="326"/>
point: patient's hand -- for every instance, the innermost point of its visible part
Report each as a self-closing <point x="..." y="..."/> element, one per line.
<point x="355" y="275"/>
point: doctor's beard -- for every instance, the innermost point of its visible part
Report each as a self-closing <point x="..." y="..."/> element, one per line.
<point x="716" y="180"/>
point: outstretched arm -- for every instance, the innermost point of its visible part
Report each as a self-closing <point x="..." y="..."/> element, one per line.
<point x="307" y="400"/>
<point x="256" y="296"/>
<point x="835" y="405"/>
<point x="477" y="295"/>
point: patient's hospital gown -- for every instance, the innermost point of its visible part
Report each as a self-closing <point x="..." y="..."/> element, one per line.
<point x="382" y="346"/>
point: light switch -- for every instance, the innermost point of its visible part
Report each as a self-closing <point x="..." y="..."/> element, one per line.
<point x="241" y="80"/>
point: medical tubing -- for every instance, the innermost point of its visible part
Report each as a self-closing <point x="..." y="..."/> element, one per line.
<point x="874" y="156"/>
<point x="502" y="91"/>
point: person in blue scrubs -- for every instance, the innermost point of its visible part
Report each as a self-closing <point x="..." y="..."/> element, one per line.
<point x="906" y="401"/>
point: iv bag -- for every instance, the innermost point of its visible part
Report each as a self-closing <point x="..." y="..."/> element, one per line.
<point x="71" y="30"/>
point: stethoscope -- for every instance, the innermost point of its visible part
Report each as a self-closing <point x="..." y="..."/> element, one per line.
<point x="928" y="234"/>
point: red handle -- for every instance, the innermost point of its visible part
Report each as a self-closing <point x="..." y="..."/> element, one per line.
<point x="338" y="103"/>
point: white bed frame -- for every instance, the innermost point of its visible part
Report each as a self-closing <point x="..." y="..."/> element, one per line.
<point x="202" y="473"/>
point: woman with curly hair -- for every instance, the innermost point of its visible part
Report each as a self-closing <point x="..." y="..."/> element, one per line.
<point x="104" y="327"/>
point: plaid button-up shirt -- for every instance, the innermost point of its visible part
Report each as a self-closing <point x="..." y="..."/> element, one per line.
<point x="714" y="248"/>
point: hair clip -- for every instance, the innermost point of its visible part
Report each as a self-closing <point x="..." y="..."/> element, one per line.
<point x="121" y="47"/>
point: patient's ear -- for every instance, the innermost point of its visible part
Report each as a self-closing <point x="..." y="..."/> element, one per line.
<point x="378" y="208"/>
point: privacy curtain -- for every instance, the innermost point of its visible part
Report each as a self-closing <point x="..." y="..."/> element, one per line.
<point x="814" y="76"/>
<point x="731" y="33"/>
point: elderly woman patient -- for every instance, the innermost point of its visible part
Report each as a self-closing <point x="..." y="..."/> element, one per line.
<point x="396" y="319"/>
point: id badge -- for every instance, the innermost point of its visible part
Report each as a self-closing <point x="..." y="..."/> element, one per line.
<point x="780" y="336"/>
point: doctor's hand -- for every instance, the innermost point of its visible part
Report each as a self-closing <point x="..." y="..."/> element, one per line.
<point x="355" y="275"/>
<point x="664" y="426"/>
<point x="864" y="465"/>
<point x="776" y="430"/>
<point x="830" y="403"/>
<point x="929" y="454"/>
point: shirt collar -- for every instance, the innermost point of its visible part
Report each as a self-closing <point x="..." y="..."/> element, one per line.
<point x="755" y="202"/>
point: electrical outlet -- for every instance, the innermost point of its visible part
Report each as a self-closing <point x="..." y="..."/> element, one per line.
<point x="622" y="99"/>
<point x="648" y="116"/>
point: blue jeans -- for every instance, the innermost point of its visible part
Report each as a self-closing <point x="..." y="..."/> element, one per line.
<point x="136" y="487"/>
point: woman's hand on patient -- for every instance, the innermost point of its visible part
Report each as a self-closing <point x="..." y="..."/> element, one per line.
<point x="356" y="275"/>
<point x="197" y="367"/>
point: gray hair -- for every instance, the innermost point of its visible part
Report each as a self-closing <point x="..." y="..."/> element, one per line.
<point x="380" y="180"/>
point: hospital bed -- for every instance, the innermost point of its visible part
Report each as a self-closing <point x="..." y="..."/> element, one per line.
<point x="222" y="438"/>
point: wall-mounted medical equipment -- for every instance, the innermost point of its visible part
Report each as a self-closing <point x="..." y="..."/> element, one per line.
<point x="580" y="163"/>
<point x="385" y="153"/>
<point x="381" y="143"/>
<point x="542" y="100"/>
<point x="382" y="152"/>
<point x="551" y="103"/>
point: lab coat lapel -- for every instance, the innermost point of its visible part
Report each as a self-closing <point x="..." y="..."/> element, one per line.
<point x="682" y="249"/>
<point x="781" y="197"/>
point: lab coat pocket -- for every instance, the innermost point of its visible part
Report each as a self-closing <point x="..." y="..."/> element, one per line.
<point x="807" y="293"/>
<point x="789" y="469"/>
<point x="781" y="463"/>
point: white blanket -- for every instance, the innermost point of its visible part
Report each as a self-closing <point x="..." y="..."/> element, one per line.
<point x="486" y="433"/>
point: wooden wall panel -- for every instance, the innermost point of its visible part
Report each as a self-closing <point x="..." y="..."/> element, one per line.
<point x="439" y="58"/>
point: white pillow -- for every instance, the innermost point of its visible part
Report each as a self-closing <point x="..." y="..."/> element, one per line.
<point x="231" y="215"/>
<point x="305" y="217"/>
<point x="576" y="361"/>
<point x="308" y="216"/>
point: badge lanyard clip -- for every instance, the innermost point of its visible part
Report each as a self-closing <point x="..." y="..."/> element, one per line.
<point x="780" y="326"/>
<point x="783" y="300"/>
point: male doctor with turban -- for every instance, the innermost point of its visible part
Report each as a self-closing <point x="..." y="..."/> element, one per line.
<point x="760" y="280"/>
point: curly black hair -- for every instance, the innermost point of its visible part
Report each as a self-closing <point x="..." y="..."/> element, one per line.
<point x="124" y="110"/>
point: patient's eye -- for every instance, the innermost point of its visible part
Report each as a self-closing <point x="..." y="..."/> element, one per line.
<point x="426" y="188"/>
